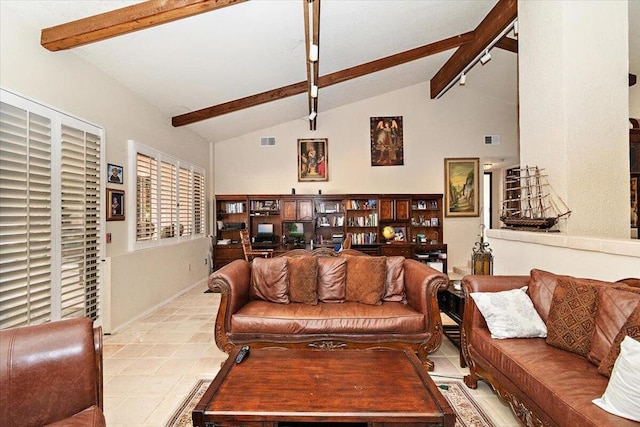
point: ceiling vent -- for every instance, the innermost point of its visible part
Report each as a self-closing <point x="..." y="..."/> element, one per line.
<point x="267" y="141"/>
<point x="492" y="140"/>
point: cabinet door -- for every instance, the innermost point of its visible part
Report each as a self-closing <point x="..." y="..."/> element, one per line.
<point x="386" y="210"/>
<point x="402" y="209"/>
<point x="305" y="210"/>
<point x="289" y="210"/>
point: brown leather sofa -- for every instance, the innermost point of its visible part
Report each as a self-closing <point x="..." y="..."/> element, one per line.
<point x="51" y="374"/>
<point x="543" y="384"/>
<point x="412" y="320"/>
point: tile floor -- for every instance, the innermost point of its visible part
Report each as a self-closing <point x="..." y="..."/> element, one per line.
<point x="151" y="365"/>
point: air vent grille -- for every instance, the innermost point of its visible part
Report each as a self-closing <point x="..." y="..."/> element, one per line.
<point x="267" y="141"/>
<point x="492" y="140"/>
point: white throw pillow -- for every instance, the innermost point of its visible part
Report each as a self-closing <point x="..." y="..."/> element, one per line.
<point x="510" y="314"/>
<point x="622" y="396"/>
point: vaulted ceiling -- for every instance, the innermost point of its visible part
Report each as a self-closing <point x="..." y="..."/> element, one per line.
<point x="254" y="47"/>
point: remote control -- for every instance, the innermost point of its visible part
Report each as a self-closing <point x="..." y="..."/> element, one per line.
<point x="242" y="354"/>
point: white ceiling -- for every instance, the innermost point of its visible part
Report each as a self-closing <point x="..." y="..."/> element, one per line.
<point x="257" y="46"/>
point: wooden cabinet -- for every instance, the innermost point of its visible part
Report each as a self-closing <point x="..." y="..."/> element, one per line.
<point x="231" y="217"/>
<point x="395" y="209"/>
<point x="362" y="220"/>
<point x="329" y="220"/>
<point x="297" y="210"/>
<point x="397" y="249"/>
<point x="426" y="219"/>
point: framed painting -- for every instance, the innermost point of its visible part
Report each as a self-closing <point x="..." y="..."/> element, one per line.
<point x="313" y="160"/>
<point x="115" y="174"/>
<point x="461" y="180"/>
<point x="387" y="144"/>
<point x="115" y="203"/>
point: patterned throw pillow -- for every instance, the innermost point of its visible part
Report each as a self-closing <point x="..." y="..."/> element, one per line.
<point x="303" y="280"/>
<point x="571" y="316"/>
<point x="365" y="279"/>
<point x="631" y="328"/>
<point x="269" y="280"/>
<point x="510" y="314"/>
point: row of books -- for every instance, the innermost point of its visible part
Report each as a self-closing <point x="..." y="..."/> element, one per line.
<point x="361" y="204"/>
<point x="334" y="221"/>
<point x="364" y="238"/>
<point x="370" y="220"/>
<point x="237" y="207"/>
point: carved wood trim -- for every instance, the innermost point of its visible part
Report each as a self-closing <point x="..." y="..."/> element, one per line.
<point x="125" y="20"/>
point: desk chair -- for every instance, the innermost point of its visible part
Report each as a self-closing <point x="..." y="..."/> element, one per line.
<point x="249" y="252"/>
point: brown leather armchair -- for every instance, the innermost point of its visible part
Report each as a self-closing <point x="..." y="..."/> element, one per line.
<point x="51" y="374"/>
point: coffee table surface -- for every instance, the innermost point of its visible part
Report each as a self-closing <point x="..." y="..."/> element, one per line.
<point x="375" y="386"/>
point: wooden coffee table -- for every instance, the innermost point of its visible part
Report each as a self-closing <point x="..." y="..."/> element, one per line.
<point x="284" y="387"/>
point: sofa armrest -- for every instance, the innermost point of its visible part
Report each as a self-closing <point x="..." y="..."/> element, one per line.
<point x="233" y="282"/>
<point x="422" y="284"/>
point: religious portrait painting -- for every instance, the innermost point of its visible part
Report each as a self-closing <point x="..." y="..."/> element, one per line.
<point x="387" y="144"/>
<point x="313" y="160"/>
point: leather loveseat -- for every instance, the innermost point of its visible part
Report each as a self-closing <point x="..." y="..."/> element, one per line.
<point x="321" y="299"/>
<point x="552" y="381"/>
<point x="51" y="375"/>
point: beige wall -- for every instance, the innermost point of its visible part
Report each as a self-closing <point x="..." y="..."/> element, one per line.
<point x="453" y="126"/>
<point x="65" y="81"/>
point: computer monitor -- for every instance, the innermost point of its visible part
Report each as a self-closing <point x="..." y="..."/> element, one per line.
<point x="265" y="232"/>
<point x="296" y="230"/>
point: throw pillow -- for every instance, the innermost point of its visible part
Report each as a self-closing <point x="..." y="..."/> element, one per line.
<point x="631" y="328"/>
<point x="510" y="314"/>
<point x="365" y="279"/>
<point x="394" y="280"/>
<point x="622" y="395"/>
<point x="303" y="279"/>
<point x="269" y="280"/>
<point x="332" y="275"/>
<point x="572" y="313"/>
<point x="613" y="308"/>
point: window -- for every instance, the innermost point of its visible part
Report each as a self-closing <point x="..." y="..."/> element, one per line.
<point x="50" y="214"/>
<point x="169" y="197"/>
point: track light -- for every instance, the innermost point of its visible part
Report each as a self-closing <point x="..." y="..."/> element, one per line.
<point x="313" y="115"/>
<point x="463" y="79"/>
<point x="515" y="28"/>
<point x="486" y="57"/>
<point x="313" y="52"/>
<point x="314" y="91"/>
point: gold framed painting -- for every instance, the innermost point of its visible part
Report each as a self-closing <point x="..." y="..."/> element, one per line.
<point x="461" y="180"/>
<point x="313" y="160"/>
<point x="387" y="142"/>
<point x="115" y="204"/>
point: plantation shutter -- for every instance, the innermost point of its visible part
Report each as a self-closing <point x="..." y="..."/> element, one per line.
<point x="198" y="203"/>
<point x="185" y="207"/>
<point x="50" y="214"/>
<point x="168" y="200"/>
<point x="146" y="197"/>
<point x="25" y="217"/>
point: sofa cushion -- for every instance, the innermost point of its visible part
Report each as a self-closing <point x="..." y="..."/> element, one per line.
<point x="365" y="279"/>
<point x="90" y="417"/>
<point x="332" y="279"/>
<point x="562" y="383"/>
<point x="394" y="280"/>
<point x="303" y="279"/>
<point x="509" y="314"/>
<point x="631" y="328"/>
<point x="622" y="396"/>
<point x="542" y="284"/>
<point x="270" y="280"/>
<point x="613" y="307"/>
<point x="262" y="318"/>
<point x="571" y="319"/>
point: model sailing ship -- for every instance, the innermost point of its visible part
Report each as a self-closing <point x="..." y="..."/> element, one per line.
<point x="530" y="203"/>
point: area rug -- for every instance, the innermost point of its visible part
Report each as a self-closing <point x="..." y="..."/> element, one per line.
<point x="468" y="412"/>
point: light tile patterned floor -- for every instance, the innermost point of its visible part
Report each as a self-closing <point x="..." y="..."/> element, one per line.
<point x="152" y="364"/>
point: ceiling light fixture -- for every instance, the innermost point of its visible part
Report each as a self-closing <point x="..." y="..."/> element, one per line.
<point x="313" y="115"/>
<point x="463" y="79"/>
<point x="486" y="57"/>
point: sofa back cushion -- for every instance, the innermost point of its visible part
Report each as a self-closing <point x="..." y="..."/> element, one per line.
<point x="571" y="320"/>
<point x="614" y="306"/>
<point x="303" y="279"/>
<point x="365" y="279"/>
<point x="394" y="280"/>
<point x="270" y="280"/>
<point x="332" y="279"/>
<point x="542" y="285"/>
<point x="630" y="328"/>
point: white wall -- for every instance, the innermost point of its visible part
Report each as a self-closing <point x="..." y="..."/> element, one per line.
<point x="453" y="126"/>
<point x="65" y="81"/>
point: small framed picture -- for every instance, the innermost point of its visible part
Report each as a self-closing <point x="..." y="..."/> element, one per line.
<point x="434" y="222"/>
<point x="115" y="205"/>
<point x="115" y="174"/>
<point x="422" y="205"/>
<point x="400" y="234"/>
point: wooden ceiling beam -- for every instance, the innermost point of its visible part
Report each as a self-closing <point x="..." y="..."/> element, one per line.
<point x="125" y="20"/>
<point x="499" y="18"/>
<point x="323" y="81"/>
<point x="507" y="43"/>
